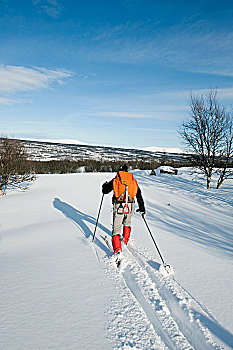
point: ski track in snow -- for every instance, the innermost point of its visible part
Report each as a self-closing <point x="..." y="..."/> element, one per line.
<point x="153" y="311"/>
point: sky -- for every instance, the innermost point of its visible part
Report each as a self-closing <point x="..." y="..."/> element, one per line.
<point x="110" y="72"/>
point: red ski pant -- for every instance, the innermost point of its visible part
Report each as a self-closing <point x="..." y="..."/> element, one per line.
<point x="120" y="219"/>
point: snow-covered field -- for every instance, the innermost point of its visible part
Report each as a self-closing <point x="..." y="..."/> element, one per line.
<point x="60" y="291"/>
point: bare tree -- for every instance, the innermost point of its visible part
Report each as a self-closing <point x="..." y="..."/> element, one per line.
<point x="208" y="134"/>
<point x="226" y="156"/>
<point x="15" y="169"/>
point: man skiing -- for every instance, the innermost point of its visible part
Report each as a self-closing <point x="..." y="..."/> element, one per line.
<point x="125" y="188"/>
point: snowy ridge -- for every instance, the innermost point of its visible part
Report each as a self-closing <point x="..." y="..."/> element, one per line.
<point x="164" y="149"/>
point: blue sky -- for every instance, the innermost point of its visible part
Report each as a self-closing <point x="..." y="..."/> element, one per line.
<point x="110" y="72"/>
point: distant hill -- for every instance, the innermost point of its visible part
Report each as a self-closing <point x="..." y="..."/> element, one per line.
<point x="45" y="151"/>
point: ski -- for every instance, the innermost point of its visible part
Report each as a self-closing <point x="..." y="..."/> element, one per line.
<point x="118" y="263"/>
<point x="117" y="260"/>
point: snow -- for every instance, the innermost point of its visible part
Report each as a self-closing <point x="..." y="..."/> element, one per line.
<point x="165" y="168"/>
<point x="164" y="149"/>
<point x="61" y="291"/>
<point x="166" y="270"/>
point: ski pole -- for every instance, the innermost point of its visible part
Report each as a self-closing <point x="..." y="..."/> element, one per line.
<point x="153" y="240"/>
<point x="98" y="218"/>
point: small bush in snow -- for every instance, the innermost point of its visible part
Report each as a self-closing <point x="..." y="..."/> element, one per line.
<point x="15" y="169"/>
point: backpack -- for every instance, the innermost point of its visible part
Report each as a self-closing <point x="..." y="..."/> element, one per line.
<point x="125" y="187"/>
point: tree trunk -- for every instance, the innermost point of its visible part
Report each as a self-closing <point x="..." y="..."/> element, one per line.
<point x="208" y="182"/>
<point x="220" y="181"/>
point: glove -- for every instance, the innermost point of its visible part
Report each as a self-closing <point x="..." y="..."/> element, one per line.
<point x="142" y="213"/>
<point x="104" y="188"/>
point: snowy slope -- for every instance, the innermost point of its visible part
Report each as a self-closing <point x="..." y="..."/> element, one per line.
<point x="60" y="291"/>
<point x="164" y="149"/>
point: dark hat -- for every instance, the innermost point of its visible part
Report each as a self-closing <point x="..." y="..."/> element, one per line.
<point x="123" y="167"/>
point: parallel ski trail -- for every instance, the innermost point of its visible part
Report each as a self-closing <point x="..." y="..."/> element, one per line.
<point x="180" y="308"/>
<point x="153" y="306"/>
<point x="151" y="315"/>
<point x="167" y="306"/>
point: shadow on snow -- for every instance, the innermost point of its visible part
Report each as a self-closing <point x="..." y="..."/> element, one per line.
<point x="224" y="335"/>
<point x="202" y="224"/>
<point x="81" y="219"/>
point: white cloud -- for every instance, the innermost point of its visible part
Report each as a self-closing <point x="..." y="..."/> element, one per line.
<point x="198" y="46"/>
<point x="225" y="93"/>
<point x="156" y="113"/>
<point x="7" y="101"/>
<point x="122" y="115"/>
<point x="51" y="7"/>
<point x="18" y="78"/>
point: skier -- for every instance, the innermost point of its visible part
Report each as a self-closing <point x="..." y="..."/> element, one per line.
<point x="125" y="188"/>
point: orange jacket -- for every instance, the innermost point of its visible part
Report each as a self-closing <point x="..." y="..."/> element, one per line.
<point x="124" y="183"/>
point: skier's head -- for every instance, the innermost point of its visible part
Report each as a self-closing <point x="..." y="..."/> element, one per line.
<point x="123" y="167"/>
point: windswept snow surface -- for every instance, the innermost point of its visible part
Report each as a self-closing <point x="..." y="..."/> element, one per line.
<point x="60" y="291"/>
